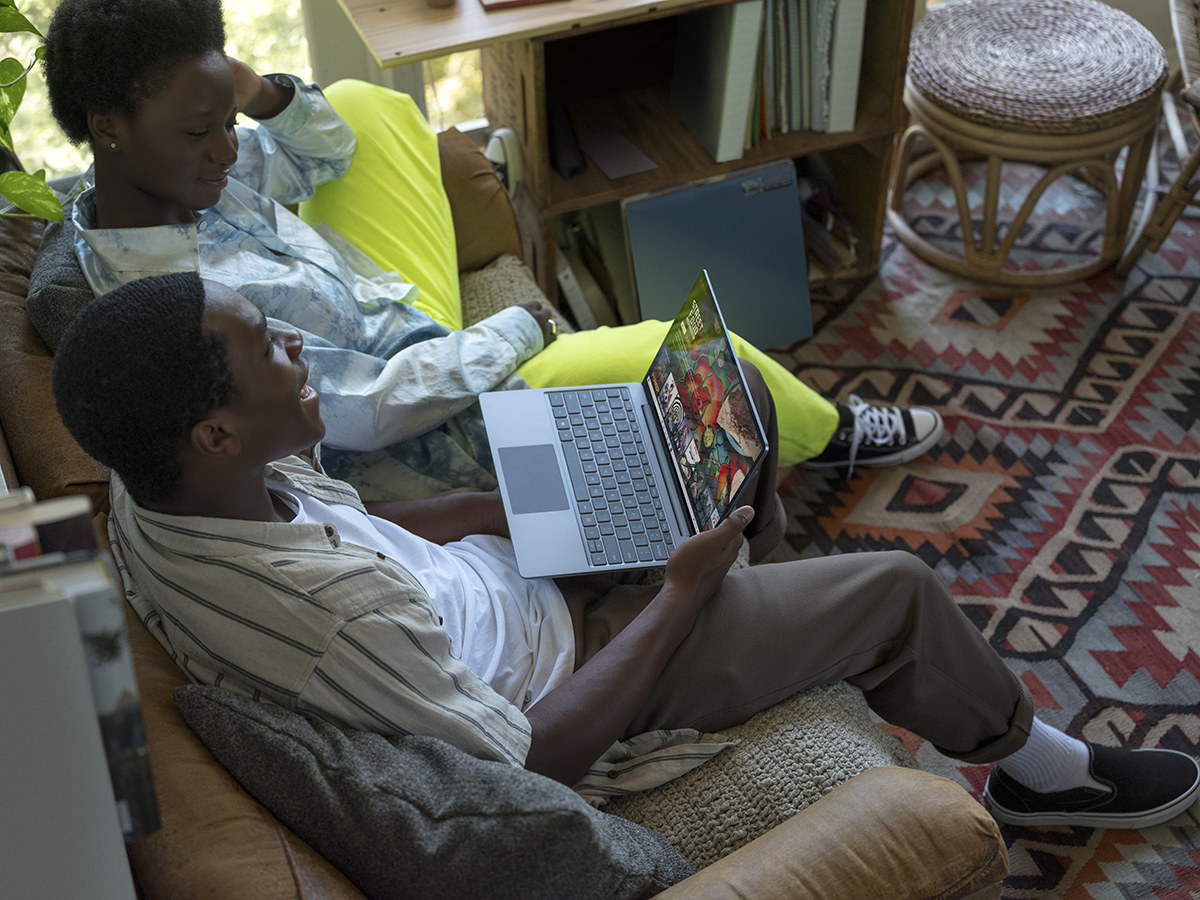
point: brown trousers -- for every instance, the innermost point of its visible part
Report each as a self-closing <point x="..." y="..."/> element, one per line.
<point x="881" y="621"/>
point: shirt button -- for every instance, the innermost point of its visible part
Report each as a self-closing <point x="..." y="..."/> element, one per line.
<point x="380" y="555"/>
<point x="329" y="531"/>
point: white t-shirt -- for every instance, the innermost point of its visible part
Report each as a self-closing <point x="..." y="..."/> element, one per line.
<point x="514" y="633"/>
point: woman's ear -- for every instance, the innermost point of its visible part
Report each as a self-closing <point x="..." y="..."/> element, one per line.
<point x="106" y="131"/>
<point x="209" y="437"/>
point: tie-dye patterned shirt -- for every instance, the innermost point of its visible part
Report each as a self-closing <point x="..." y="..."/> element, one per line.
<point x="397" y="388"/>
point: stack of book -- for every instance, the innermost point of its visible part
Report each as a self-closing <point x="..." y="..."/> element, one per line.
<point x="746" y="71"/>
<point x="74" y="764"/>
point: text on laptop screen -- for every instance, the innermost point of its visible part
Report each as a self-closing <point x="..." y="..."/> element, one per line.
<point x="698" y="388"/>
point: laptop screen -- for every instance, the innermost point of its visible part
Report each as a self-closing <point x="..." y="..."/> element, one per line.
<point x="712" y="427"/>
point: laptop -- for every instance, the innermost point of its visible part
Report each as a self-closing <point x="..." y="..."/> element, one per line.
<point x="614" y="476"/>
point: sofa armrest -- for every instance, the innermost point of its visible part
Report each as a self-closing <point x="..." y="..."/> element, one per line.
<point x="485" y="221"/>
<point x="887" y="832"/>
<point x="216" y="841"/>
<point x="45" y="456"/>
<point x="8" y="473"/>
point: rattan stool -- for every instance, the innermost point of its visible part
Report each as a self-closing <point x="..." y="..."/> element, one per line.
<point x="1064" y="85"/>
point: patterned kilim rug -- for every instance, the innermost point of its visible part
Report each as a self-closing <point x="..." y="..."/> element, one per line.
<point x="1062" y="506"/>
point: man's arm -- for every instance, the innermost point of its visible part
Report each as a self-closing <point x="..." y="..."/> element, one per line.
<point x="577" y="721"/>
<point x="447" y="518"/>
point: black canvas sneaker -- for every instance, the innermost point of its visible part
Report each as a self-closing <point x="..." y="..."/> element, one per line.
<point x="1138" y="789"/>
<point x="877" y="436"/>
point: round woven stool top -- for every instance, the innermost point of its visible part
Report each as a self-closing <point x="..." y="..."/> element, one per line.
<point x="1043" y="66"/>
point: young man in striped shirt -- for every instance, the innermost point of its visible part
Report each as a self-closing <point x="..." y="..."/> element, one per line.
<point x="266" y="577"/>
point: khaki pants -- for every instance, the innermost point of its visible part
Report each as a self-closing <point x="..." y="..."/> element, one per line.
<point x="881" y="621"/>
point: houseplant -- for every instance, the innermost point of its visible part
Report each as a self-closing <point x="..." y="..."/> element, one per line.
<point x="27" y="194"/>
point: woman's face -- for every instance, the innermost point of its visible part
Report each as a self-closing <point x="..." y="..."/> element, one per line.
<point x="173" y="156"/>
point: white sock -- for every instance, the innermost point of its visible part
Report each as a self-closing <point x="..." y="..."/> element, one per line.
<point x="1050" y="761"/>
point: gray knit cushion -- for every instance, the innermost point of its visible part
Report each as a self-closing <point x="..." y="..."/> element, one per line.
<point x="57" y="288"/>
<point x="415" y="817"/>
<point x="790" y="755"/>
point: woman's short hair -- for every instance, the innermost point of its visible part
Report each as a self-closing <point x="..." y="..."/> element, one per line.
<point x="134" y="372"/>
<point x="108" y="56"/>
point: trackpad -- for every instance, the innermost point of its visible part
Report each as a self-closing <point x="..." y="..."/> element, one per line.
<point x="533" y="479"/>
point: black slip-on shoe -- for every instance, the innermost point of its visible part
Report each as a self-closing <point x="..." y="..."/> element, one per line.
<point x="877" y="436"/>
<point x="1141" y="788"/>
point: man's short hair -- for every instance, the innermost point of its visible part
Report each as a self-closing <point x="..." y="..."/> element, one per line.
<point x="134" y="372"/>
<point x="107" y="56"/>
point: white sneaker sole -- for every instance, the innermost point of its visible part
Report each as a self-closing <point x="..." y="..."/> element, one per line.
<point x="1146" y="818"/>
<point x="905" y="454"/>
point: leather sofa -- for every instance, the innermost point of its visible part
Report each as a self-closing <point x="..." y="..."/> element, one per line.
<point x="889" y="831"/>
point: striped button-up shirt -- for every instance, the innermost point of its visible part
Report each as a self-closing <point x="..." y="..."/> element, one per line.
<point x="292" y="613"/>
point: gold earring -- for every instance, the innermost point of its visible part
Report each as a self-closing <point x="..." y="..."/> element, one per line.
<point x="112" y="145"/>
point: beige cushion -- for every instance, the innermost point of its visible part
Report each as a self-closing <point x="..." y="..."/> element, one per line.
<point x="504" y="282"/>
<point x="789" y="756"/>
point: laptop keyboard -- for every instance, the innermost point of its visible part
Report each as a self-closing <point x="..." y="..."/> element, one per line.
<point x="621" y="514"/>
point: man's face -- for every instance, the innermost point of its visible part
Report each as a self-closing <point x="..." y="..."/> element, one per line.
<point x="276" y="413"/>
<point x="175" y="153"/>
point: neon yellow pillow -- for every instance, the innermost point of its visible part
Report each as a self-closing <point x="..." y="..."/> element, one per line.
<point x="391" y="203"/>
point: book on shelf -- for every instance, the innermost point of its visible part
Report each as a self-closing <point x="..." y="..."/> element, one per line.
<point x="490" y="5"/>
<point x="713" y="79"/>
<point x="831" y="236"/>
<point x="845" y="61"/>
<point x="778" y="72"/>
<point x="49" y="557"/>
<point x="809" y="59"/>
<point x="29" y="529"/>
<point x="601" y="239"/>
<point x="585" y="299"/>
<point x="819" y="45"/>
<point x="799" y="109"/>
<point x="827" y="251"/>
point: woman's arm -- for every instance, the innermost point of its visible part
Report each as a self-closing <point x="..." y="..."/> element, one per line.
<point x="450" y="517"/>
<point x="578" y="720"/>
<point x="258" y="97"/>
<point x="301" y="141"/>
<point x="369" y="403"/>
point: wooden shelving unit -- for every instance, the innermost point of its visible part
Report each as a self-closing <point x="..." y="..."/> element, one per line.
<point x="609" y="62"/>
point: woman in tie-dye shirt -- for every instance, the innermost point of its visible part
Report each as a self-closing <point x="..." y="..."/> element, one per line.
<point x="179" y="186"/>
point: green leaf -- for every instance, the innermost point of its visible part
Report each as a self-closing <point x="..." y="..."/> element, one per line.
<point x="12" y="72"/>
<point x="11" y="94"/>
<point x="10" y="99"/>
<point x="31" y="193"/>
<point x="12" y="22"/>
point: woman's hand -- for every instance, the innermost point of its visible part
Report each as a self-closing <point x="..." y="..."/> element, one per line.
<point x="544" y="320"/>
<point x="258" y="97"/>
